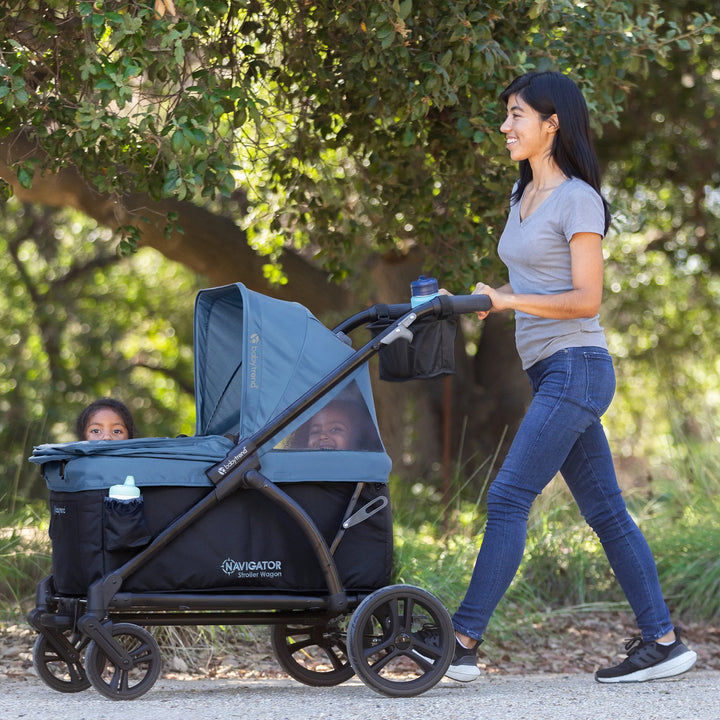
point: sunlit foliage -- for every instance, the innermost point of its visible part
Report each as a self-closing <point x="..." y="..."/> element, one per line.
<point x="80" y="322"/>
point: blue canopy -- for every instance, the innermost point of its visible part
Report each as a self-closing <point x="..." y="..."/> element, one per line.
<point x="254" y="357"/>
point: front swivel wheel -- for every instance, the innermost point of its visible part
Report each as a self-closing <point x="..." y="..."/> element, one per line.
<point x="118" y="681"/>
<point x="59" y="662"/>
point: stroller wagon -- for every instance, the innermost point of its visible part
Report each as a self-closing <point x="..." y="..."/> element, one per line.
<point x="275" y="513"/>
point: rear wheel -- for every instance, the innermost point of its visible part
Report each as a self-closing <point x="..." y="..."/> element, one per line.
<point x="315" y="655"/>
<point x="388" y="640"/>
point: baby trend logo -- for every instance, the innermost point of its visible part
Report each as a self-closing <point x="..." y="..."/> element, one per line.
<point x="254" y="360"/>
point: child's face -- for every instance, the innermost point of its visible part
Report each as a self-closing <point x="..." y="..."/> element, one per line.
<point x="106" y="424"/>
<point x="330" y="429"/>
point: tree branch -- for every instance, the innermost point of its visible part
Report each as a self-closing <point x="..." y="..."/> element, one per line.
<point x="209" y="244"/>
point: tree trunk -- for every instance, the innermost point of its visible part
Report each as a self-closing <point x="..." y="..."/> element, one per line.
<point x="501" y="390"/>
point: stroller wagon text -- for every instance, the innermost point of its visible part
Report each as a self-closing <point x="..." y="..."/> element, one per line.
<point x="252" y="568"/>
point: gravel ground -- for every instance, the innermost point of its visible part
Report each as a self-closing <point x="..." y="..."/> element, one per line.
<point x="694" y="696"/>
<point x="548" y="674"/>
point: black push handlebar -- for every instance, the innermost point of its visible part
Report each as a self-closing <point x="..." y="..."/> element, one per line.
<point x="462" y="304"/>
<point x="442" y="306"/>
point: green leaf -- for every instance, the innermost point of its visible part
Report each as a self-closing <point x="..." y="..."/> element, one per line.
<point x="21" y="97"/>
<point x="179" y="141"/>
<point x="404" y="9"/>
<point x="25" y="176"/>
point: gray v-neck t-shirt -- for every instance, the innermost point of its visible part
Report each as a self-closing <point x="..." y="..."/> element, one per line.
<point x="536" y="251"/>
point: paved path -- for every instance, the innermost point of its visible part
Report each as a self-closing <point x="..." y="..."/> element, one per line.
<point x="694" y="696"/>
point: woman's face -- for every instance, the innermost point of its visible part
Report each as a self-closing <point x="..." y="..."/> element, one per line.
<point x="106" y="424"/>
<point x="330" y="429"/>
<point x="527" y="135"/>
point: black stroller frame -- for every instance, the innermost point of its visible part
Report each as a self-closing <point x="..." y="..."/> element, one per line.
<point x="100" y="640"/>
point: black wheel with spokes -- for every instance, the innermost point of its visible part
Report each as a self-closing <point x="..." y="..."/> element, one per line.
<point x="400" y="640"/>
<point x="315" y="655"/>
<point x="61" y="669"/>
<point x="124" y="683"/>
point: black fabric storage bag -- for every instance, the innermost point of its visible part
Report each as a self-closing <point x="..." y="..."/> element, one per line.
<point x="246" y="542"/>
<point x="431" y="352"/>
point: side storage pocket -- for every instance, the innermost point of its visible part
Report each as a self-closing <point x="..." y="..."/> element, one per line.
<point x="77" y="539"/>
<point x="124" y="524"/>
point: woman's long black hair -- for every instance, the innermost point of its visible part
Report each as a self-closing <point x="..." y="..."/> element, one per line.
<point x="552" y="93"/>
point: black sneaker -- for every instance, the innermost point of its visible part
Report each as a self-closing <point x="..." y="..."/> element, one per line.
<point x="647" y="660"/>
<point x="463" y="666"/>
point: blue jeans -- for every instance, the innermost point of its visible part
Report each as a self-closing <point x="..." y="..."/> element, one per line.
<point x="561" y="432"/>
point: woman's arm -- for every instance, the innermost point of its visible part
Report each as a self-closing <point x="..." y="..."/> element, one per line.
<point x="583" y="300"/>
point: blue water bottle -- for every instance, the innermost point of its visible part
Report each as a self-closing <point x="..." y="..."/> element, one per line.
<point x="422" y="290"/>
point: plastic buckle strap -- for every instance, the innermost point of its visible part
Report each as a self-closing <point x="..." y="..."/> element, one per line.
<point x="446" y="306"/>
<point x="383" y="313"/>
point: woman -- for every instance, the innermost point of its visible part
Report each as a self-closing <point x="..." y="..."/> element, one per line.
<point x="552" y="246"/>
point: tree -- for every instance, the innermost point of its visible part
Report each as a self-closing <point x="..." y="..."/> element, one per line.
<point x="664" y="257"/>
<point x="344" y="135"/>
<point x="80" y="322"/>
<point x="356" y="125"/>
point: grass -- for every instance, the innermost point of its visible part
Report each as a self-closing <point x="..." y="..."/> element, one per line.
<point x="564" y="568"/>
<point x="685" y="517"/>
<point x="25" y="558"/>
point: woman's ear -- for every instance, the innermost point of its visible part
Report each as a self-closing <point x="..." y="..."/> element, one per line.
<point x="553" y="123"/>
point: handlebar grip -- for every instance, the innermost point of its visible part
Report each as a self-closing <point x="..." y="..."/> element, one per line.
<point x="470" y="303"/>
<point x="396" y="311"/>
<point x="444" y="306"/>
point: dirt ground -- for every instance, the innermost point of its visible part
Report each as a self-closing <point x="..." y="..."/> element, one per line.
<point x="562" y="644"/>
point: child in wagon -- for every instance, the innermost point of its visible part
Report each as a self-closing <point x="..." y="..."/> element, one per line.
<point x="105" y="419"/>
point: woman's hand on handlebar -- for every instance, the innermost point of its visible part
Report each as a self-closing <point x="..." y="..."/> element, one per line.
<point x="462" y="305"/>
<point x="482" y="289"/>
<point x="499" y="297"/>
